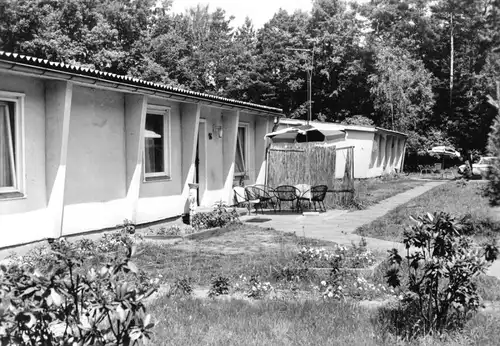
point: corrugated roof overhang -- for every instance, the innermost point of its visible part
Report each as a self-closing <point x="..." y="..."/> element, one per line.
<point x="51" y="69"/>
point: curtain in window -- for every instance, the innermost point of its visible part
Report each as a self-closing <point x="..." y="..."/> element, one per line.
<point x="240" y="160"/>
<point x="7" y="163"/>
<point x="150" y="156"/>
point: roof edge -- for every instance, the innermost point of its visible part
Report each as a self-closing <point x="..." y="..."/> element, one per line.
<point x="360" y="128"/>
<point x="65" y="69"/>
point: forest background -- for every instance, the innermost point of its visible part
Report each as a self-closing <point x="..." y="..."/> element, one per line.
<point x="425" y="68"/>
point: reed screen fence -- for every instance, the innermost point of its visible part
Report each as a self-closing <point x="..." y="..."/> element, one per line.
<point x="309" y="163"/>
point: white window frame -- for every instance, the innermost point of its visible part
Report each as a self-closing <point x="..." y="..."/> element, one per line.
<point x="246" y="150"/>
<point x="18" y="190"/>
<point x="167" y="157"/>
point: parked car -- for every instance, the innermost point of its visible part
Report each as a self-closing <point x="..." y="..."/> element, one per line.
<point x="480" y="169"/>
<point x="484" y="166"/>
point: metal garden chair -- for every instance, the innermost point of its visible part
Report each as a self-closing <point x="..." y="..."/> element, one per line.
<point x="286" y="193"/>
<point x="241" y="199"/>
<point x="253" y="198"/>
<point x="318" y="194"/>
<point x="262" y="193"/>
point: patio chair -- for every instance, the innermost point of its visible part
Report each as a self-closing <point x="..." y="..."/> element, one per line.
<point x="304" y="194"/>
<point x="266" y="188"/>
<point x="286" y="193"/>
<point x="241" y="200"/>
<point x="318" y="194"/>
<point x="253" y="198"/>
<point x="261" y="192"/>
<point x="424" y="169"/>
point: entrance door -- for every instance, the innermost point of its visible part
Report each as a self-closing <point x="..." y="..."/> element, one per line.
<point x="200" y="161"/>
<point x="197" y="170"/>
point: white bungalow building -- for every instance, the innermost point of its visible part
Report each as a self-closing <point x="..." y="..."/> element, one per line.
<point x="377" y="151"/>
<point x="82" y="150"/>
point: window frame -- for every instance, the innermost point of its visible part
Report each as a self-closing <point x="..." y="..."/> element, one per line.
<point x="246" y="150"/>
<point x="17" y="191"/>
<point x="165" y="111"/>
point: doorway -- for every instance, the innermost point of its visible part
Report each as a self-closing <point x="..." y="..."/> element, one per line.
<point x="200" y="161"/>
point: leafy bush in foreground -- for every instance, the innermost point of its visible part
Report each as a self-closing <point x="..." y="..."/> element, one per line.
<point x="441" y="291"/>
<point x="70" y="304"/>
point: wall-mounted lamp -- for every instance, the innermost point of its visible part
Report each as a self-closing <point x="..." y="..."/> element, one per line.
<point x="217" y="131"/>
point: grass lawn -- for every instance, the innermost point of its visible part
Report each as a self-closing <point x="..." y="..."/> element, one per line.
<point x="294" y="319"/>
<point x="247" y="249"/>
<point x="236" y="322"/>
<point x="453" y="197"/>
<point x="371" y="191"/>
<point x="304" y="321"/>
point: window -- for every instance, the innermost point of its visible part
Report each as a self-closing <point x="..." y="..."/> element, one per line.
<point x="11" y="177"/>
<point x="241" y="163"/>
<point x="157" y="144"/>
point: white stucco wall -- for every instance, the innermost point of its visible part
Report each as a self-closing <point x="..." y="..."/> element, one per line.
<point x="96" y="188"/>
<point x="362" y="142"/>
<point x="263" y="125"/>
<point x="25" y="219"/>
<point x="214" y="162"/>
<point x="387" y="154"/>
<point x="95" y="175"/>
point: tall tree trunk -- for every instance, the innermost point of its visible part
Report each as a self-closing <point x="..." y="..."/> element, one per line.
<point x="498" y="96"/>
<point x="452" y="53"/>
<point x="392" y="113"/>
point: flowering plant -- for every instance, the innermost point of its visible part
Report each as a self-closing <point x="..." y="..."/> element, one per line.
<point x="363" y="289"/>
<point x="353" y="257"/>
<point x="317" y="257"/>
<point x="331" y="291"/>
<point x="253" y="287"/>
<point x="126" y="236"/>
<point x="359" y="259"/>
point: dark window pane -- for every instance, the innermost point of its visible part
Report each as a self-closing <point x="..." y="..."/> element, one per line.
<point x="7" y="144"/>
<point x="154" y="146"/>
<point x="240" y="159"/>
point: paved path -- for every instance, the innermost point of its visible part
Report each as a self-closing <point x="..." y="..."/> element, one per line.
<point x="338" y="225"/>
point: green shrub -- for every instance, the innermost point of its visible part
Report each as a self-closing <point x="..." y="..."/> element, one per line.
<point x="441" y="291"/>
<point x="181" y="287"/>
<point x="219" y="217"/>
<point x="219" y="286"/>
<point x="173" y="230"/>
<point x="73" y="304"/>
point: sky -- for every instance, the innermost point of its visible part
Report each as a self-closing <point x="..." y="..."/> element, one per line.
<point x="259" y="11"/>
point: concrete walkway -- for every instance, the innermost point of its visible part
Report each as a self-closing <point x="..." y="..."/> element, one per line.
<point x="338" y="225"/>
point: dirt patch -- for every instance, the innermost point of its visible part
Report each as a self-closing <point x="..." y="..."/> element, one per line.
<point x="246" y="240"/>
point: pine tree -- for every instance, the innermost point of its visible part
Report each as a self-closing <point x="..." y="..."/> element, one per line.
<point x="493" y="190"/>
